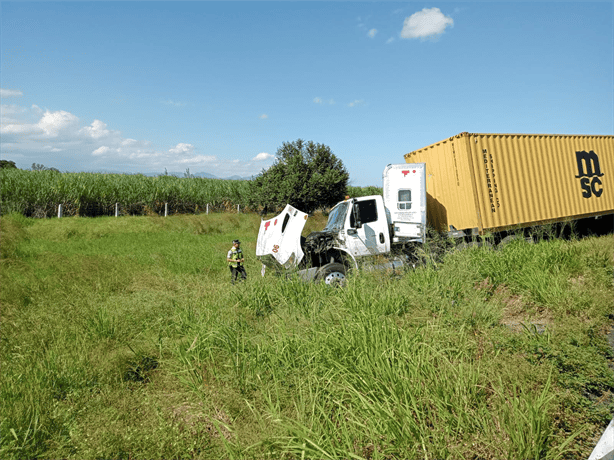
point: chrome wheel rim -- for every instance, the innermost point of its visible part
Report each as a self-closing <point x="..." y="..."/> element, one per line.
<point x="334" y="278"/>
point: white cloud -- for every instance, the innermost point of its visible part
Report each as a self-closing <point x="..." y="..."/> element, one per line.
<point x="182" y="148"/>
<point x="54" y="122"/>
<point x="390" y="40"/>
<point x="19" y="128"/>
<point x="319" y="100"/>
<point x="356" y="102"/>
<point x="264" y="116"/>
<point x="49" y="125"/>
<point x="263" y="156"/>
<point x="9" y="111"/>
<point x="173" y="103"/>
<point x="10" y="93"/>
<point x="198" y="159"/>
<point x="372" y="33"/>
<point x="182" y="154"/>
<point x="429" y="22"/>
<point x="97" y="129"/>
<point x="101" y="150"/>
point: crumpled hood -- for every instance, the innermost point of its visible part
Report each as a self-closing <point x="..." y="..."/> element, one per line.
<point x="279" y="239"/>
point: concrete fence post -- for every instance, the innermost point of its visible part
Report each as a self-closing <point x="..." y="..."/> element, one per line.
<point x="238" y="211"/>
<point x="165" y="209"/>
<point x="59" y="211"/>
<point x="207" y="208"/>
<point x="116" y="209"/>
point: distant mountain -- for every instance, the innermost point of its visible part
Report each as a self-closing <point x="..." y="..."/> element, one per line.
<point x="211" y="176"/>
<point x="238" y="178"/>
<point x="205" y="175"/>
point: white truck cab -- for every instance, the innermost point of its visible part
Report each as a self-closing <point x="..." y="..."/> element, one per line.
<point x="356" y="228"/>
<point x="364" y="223"/>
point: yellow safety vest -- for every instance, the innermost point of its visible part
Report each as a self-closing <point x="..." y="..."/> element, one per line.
<point x="236" y="254"/>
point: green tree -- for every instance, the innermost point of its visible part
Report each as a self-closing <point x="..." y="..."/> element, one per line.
<point x="356" y="192"/>
<point x="6" y="164"/>
<point x="305" y="174"/>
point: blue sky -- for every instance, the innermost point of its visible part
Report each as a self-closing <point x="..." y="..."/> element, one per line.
<point x="217" y="87"/>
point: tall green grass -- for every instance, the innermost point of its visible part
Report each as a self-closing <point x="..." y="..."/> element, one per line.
<point x="123" y="338"/>
<point x="38" y="193"/>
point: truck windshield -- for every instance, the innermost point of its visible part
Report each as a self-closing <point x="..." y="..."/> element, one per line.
<point x="336" y="218"/>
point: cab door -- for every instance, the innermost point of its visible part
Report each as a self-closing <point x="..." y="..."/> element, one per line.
<point x="367" y="227"/>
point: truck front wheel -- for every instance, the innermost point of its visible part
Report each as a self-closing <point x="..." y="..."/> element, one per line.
<point x="332" y="274"/>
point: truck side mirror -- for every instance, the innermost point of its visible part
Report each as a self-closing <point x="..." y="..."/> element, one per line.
<point x="356" y="215"/>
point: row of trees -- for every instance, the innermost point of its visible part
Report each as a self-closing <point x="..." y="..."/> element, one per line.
<point x="7" y="164"/>
<point x="305" y="174"/>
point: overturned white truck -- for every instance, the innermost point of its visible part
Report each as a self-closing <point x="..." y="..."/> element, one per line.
<point x="357" y="229"/>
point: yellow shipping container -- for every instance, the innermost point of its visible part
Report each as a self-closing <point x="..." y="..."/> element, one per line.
<point x="494" y="182"/>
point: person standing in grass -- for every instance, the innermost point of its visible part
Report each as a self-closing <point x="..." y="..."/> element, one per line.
<point x="235" y="262"/>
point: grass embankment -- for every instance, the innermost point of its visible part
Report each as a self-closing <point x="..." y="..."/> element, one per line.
<point x="122" y="338"/>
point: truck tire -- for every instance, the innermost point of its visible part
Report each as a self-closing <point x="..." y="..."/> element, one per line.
<point x="332" y="274"/>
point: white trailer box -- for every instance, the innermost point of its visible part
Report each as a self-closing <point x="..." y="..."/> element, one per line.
<point x="405" y="198"/>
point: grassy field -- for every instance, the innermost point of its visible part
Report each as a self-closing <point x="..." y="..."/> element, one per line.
<point x="123" y="339"/>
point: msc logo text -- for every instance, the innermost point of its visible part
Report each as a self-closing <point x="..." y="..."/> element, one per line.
<point x="589" y="173"/>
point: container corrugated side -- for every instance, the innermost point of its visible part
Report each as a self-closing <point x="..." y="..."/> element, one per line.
<point x="451" y="201"/>
<point x="518" y="179"/>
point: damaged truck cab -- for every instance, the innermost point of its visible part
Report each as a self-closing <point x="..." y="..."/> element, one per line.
<point x="364" y="229"/>
<point x="478" y="184"/>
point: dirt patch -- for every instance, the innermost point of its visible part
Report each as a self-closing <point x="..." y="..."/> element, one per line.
<point x="518" y="314"/>
<point x="192" y="417"/>
<point x="578" y="281"/>
<point x="514" y="304"/>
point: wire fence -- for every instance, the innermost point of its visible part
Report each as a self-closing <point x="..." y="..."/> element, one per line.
<point x="118" y="210"/>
